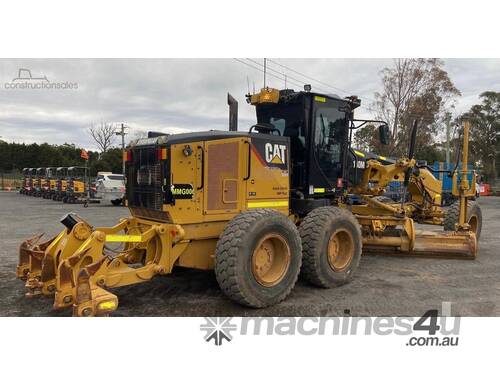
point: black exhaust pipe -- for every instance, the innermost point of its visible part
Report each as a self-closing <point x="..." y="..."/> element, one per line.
<point x="413" y="140"/>
<point x="233" y="113"/>
<point x="153" y="134"/>
<point x="411" y="153"/>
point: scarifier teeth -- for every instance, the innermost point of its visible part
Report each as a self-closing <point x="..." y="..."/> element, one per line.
<point x="94" y="267"/>
<point x="32" y="258"/>
<point x="91" y="299"/>
<point x="25" y="251"/>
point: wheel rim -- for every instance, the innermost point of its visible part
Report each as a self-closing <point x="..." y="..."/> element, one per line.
<point x="270" y="260"/>
<point x="340" y="249"/>
<point x="473" y="223"/>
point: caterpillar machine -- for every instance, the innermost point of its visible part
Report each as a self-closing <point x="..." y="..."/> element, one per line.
<point x="49" y="189"/>
<point x="257" y="206"/>
<point x="26" y="187"/>
<point x="32" y="181"/>
<point x="61" y="183"/>
<point x="76" y="187"/>
<point x="38" y="182"/>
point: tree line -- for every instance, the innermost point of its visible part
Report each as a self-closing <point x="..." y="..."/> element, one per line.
<point x="16" y="156"/>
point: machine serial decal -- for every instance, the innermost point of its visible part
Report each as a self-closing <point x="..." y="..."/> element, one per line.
<point x="182" y="191"/>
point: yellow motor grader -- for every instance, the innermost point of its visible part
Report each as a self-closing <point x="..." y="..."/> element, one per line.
<point x="256" y="206"/>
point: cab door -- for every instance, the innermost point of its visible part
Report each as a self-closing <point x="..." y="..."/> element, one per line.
<point x="328" y="146"/>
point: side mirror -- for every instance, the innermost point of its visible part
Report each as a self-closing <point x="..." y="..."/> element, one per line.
<point x="384" y="134"/>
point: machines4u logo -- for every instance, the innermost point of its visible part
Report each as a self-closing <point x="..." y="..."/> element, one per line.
<point x="218" y="330"/>
<point x="271" y="153"/>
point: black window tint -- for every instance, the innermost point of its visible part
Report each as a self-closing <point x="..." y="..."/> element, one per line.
<point x="329" y="136"/>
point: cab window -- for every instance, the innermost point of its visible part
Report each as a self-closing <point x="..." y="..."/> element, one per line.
<point x="329" y="137"/>
<point x="289" y="120"/>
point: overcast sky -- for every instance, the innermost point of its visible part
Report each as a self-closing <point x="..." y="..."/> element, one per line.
<point x="178" y="95"/>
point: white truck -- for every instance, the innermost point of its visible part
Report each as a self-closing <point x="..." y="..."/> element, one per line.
<point x="110" y="187"/>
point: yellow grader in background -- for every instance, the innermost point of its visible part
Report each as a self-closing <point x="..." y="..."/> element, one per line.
<point x="258" y="207"/>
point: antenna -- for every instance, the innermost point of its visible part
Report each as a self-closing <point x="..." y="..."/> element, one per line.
<point x="248" y="85"/>
<point x="285" y="80"/>
<point x="265" y="72"/>
<point x="254" y="87"/>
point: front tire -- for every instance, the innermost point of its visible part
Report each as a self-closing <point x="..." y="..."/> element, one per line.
<point x="474" y="217"/>
<point x="258" y="258"/>
<point x="331" y="243"/>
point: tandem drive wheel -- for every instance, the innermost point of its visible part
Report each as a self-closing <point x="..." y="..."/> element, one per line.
<point x="331" y="242"/>
<point x="258" y="258"/>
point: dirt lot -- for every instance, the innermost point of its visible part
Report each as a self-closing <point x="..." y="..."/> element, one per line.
<point x="384" y="286"/>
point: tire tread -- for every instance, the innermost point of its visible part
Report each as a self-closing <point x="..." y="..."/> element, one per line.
<point x="227" y="249"/>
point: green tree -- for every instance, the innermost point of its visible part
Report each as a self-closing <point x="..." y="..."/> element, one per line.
<point x="16" y="156"/>
<point x="109" y="161"/>
<point x="411" y="89"/>
<point x="485" y="130"/>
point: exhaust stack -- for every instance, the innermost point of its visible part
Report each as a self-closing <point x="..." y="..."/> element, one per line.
<point x="233" y="113"/>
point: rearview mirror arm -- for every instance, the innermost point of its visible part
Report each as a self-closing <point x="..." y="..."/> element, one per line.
<point x="364" y="122"/>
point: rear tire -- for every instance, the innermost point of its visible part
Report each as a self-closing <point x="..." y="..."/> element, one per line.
<point x="331" y="243"/>
<point x="116" y="202"/>
<point x="474" y="217"/>
<point x="258" y="258"/>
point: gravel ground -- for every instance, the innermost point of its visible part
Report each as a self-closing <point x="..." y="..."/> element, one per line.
<point x="383" y="286"/>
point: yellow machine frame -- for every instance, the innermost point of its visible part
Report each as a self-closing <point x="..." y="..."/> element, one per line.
<point x="80" y="263"/>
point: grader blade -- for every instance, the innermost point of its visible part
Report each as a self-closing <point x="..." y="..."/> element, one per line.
<point x="450" y="245"/>
<point x="446" y="244"/>
<point x="397" y="236"/>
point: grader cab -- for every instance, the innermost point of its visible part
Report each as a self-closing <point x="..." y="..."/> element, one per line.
<point x="256" y="206"/>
